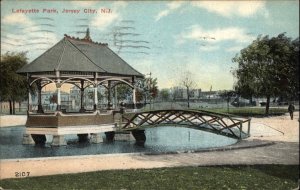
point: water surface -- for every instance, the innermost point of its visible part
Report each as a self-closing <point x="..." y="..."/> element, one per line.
<point x="160" y="139"/>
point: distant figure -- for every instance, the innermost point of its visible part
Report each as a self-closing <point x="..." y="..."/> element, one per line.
<point x="291" y="110"/>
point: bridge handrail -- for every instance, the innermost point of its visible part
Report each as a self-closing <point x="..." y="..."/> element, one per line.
<point x="195" y="110"/>
<point x="165" y="115"/>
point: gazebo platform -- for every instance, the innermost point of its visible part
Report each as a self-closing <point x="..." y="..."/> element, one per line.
<point x="59" y="124"/>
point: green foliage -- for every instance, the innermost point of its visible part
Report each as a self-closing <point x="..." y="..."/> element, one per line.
<point x="249" y="112"/>
<point x="215" y="177"/>
<point x="268" y="67"/>
<point x="123" y="91"/>
<point x="164" y="94"/>
<point x="13" y="85"/>
<point x="147" y="89"/>
<point x="227" y="94"/>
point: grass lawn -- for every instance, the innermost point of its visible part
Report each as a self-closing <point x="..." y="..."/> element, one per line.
<point x="249" y="111"/>
<point x="216" y="177"/>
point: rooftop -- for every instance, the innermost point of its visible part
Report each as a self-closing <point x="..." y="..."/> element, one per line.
<point x="83" y="55"/>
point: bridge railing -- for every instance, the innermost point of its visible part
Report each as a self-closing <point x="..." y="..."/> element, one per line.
<point x="223" y="124"/>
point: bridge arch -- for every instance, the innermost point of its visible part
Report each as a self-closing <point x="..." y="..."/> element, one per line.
<point x="222" y="124"/>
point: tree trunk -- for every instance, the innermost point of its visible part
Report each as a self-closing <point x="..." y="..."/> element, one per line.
<point x="227" y="104"/>
<point x="14" y="108"/>
<point x="268" y="105"/>
<point x="10" y="107"/>
<point x="188" y="97"/>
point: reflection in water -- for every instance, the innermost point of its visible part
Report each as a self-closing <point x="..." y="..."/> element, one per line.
<point x="160" y="139"/>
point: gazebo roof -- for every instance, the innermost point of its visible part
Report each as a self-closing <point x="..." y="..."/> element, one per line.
<point x="83" y="55"/>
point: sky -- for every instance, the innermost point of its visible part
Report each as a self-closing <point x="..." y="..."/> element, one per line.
<point x="165" y="38"/>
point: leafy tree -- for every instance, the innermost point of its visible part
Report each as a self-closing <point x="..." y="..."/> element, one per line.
<point x="268" y="67"/>
<point x="147" y="88"/>
<point x="13" y="86"/>
<point x="123" y="91"/>
<point x="164" y="94"/>
<point x="227" y="94"/>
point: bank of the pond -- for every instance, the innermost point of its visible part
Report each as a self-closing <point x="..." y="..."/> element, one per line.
<point x="242" y="153"/>
<point x="12" y="120"/>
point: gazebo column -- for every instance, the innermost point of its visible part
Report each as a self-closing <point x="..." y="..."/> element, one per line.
<point x="95" y="97"/>
<point x="95" y="91"/>
<point x="58" y="85"/>
<point x="133" y="93"/>
<point x="81" y="96"/>
<point x="115" y="96"/>
<point x="134" y="98"/>
<point x="29" y="102"/>
<point x="109" y="95"/>
<point x="40" y="107"/>
<point x="58" y="97"/>
<point x="29" y="108"/>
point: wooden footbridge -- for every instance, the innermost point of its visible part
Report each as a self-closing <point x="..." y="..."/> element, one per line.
<point x="222" y="124"/>
<point x="59" y="124"/>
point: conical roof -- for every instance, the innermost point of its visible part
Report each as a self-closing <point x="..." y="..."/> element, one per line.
<point x="83" y="55"/>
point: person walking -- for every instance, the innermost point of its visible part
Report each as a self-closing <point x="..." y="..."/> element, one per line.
<point x="291" y="110"/>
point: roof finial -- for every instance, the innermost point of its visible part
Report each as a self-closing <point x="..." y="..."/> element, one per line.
<point x="87" y="35"/>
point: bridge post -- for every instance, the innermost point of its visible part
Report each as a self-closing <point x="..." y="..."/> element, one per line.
<point x="39" y="139"/>
<point x="83" y="137"/>
<point x="248" y="132"/>
<point x="139" y="136"/>
<point x="110" y="136"/>
<point x="241" y="129"/>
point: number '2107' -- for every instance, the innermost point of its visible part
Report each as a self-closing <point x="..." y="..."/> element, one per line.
<point x="22" y="174"/>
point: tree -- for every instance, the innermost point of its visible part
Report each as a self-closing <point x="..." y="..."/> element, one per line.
<point x="164" y="94"/>
<point x="227" y="94"/>
<point x="187" y="82"/>
<point x="123" y="91"/>
<point x="147" y="88"/>
<point x="268" y="67"/>
<point x="13" y="86"/>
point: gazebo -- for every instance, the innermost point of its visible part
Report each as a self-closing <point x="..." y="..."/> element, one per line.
<point x="83" y="63"/>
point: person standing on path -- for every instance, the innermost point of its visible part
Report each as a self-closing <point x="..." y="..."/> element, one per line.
<point x="291" y="110"/>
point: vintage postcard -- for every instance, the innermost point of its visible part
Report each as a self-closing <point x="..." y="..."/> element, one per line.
<point x="145" y="91"/>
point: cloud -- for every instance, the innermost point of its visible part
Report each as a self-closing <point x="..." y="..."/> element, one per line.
<point x="197" y="33"/>
<point x="14" y="19"/>
<point x="232" y="8"/>
<point x="104" y="20"/>
<point x="26" y="36"/>
<point x="209" y="48"/>
<point x="168" y="70"/>
<point x="172" y="6"/>
<point x="235" y="49"/>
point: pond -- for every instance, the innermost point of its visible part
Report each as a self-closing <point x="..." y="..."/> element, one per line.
<point x="159" y="140"/>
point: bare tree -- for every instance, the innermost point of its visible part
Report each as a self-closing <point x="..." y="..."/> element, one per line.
<point x="187" y="81"/>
